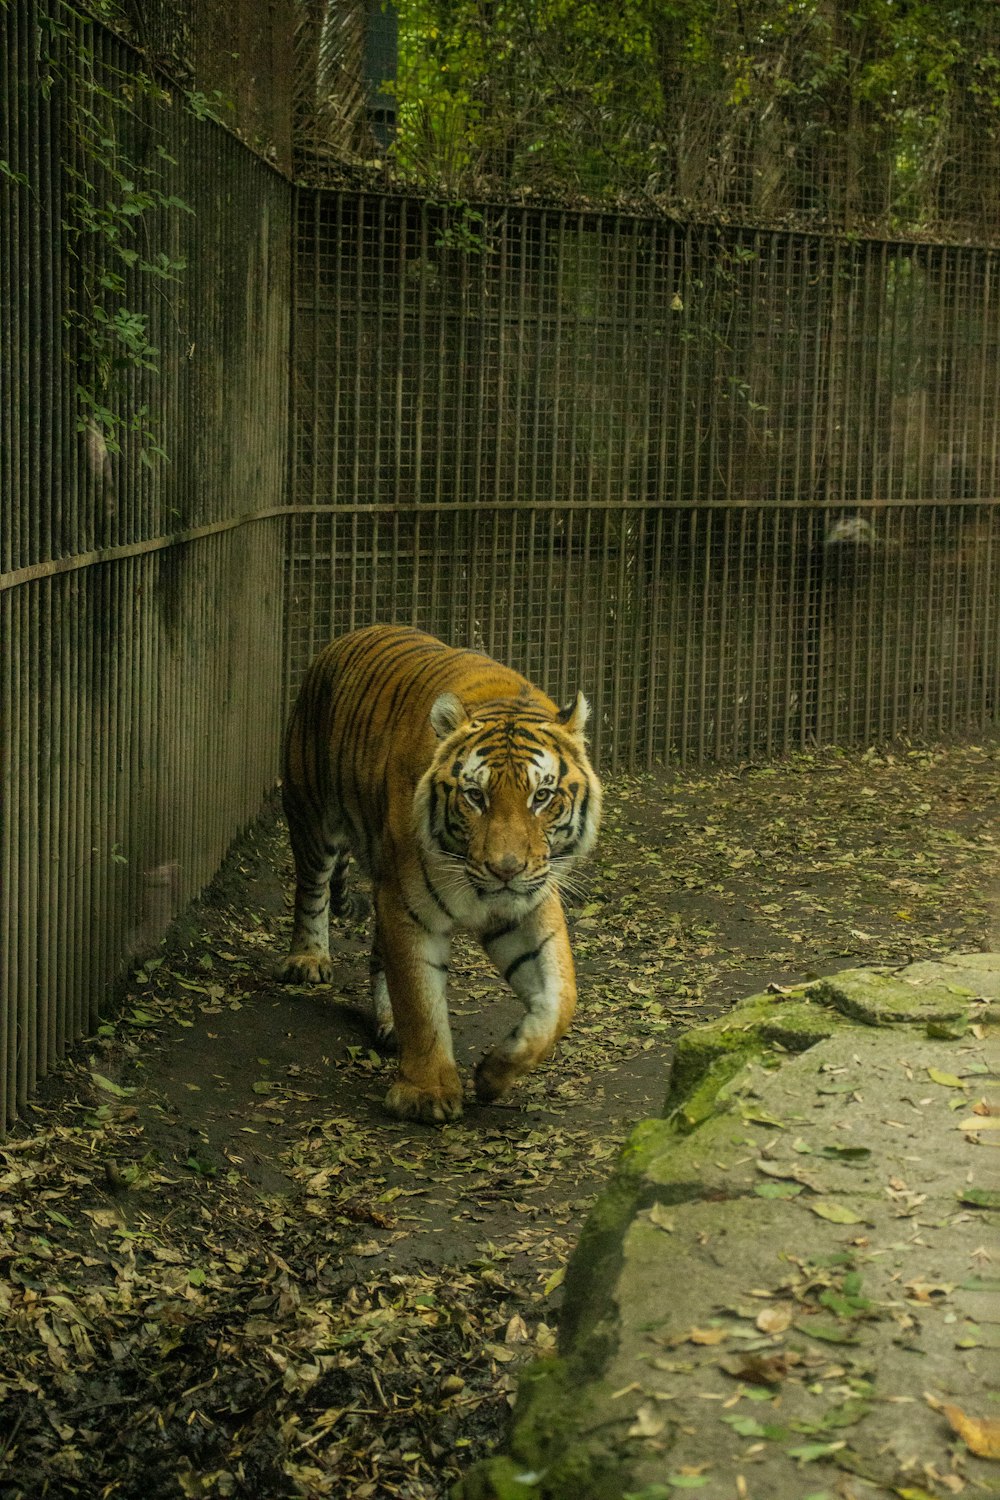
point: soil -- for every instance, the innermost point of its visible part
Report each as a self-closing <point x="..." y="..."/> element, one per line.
<point x="228" y="1272"/>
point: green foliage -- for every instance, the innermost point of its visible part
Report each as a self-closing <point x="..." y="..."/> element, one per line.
<point x="111" y="200"/>
<point x="789" y="109"/>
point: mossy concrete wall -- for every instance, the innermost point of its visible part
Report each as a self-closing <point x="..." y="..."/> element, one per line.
<point x="785" y="1124"/>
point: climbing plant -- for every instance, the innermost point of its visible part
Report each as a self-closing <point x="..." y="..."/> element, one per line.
<point x="117" y="210"/>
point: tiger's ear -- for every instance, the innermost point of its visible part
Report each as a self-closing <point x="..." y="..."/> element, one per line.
<point x="447" y="713"/>
<point x="575" y="715"/>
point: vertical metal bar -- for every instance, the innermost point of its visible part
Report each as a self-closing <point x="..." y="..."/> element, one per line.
<point x="755" y="551"/>
<point x="9" y="739"/>
<point x="653" y="688"/>
<point x="502" y="435"/>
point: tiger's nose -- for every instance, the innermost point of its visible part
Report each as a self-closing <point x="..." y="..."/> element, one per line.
<point x="505" y="869"/>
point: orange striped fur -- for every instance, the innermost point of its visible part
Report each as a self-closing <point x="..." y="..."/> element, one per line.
<point x="467" y="797"/>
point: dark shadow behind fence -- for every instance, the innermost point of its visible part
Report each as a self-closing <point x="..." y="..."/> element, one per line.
<point x="741" y="486"/>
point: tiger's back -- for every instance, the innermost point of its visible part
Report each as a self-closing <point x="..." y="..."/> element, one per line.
<point x="360" y="734"/>
<point x="466" y="795"/>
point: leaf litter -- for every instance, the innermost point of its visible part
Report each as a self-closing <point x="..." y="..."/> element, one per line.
<point x="224" y="1272"/>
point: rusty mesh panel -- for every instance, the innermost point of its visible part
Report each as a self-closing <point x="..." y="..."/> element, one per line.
<point x="140" y="603"/>
<point x="739" y="485"/>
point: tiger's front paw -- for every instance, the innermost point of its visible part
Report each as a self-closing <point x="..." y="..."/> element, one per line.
<point x="494" y="1076"/>
<point x="431" y="1106"/>
<point x="306" y="968"/>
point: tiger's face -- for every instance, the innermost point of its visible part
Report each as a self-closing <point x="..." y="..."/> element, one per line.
<point x="509" y="802"/>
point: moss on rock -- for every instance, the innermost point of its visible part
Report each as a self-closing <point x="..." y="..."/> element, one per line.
<point x="708" y="1057"/>
<point x="568" y="1439"/>
<point x="878" y="999"/>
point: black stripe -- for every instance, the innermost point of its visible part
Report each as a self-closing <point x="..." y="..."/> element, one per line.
<point x="505" y="931"/>
<point x="418" y="921"/>
<point x="524" y="958"/>
<point x="434" y="895"/>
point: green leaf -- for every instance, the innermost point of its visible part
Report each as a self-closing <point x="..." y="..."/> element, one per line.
<point x="835" y="1211"/>
<point x="947" y="1080"/>
<point x="110" y="1087"/>
<point x="777" y="1189"/>
<point x="981" y="1197"/>
<point x="843" y="1306"/>
<point x="980" y="1284"/>
<point x="810" y="1452"/>
<point x="749" y="1427"/>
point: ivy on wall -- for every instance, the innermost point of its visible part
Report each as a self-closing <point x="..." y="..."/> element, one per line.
<point x="118" y="215"/>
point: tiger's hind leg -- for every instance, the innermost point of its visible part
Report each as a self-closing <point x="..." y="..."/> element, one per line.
<point x="321" y="862"/>
<point x="381" y="1006"/>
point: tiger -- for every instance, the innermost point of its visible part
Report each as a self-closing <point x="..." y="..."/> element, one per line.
<point x="467" y="797"/>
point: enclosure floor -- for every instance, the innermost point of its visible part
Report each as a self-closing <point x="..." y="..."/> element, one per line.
<point x="230" y="1266"/>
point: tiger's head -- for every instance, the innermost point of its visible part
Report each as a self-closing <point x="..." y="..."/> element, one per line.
<point x="510" y="802"/>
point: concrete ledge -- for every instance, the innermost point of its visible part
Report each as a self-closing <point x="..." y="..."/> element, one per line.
<point x="785" y="1264"/>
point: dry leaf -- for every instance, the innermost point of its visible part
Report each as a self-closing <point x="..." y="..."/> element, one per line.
<point x="649" y="1422"/>
<point x="777" y="1318"/>
<point x="516" y="1331"/>
<point x="928" y="1291"/>
<point x="760" y="1369"/>
<point x="981" y="1435"/>
<point x="702" y="1336"/>
<point x="659" y="1216"/>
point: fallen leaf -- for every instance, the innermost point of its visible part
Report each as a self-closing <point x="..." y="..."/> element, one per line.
<point x="781" y="1189"/>
<point x="777" y="1318"/>
<point x="835" y="1211"/>
<point x="981" y="1435"/>
<point x="649" y="1422"/>
<point x="750" y="1427"/>
<point x="981" y="1197"/>
<point x="929" y="1291"/>
<point x="110" y="1087"/>
<point x="808" y="1453"/>
<point x="702" y="1336"/>
<point x="659" y="1216"/>
<point x="516" y="1331"/>
<point x="947" y="1080"/>
<point x="760" y="1369"/>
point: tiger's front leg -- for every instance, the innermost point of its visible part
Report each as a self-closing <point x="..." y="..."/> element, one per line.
<point x="415" y="964"/>
<point x="535" y="959"/>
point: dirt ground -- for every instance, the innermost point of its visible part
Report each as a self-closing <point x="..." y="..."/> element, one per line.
<point x="226" y="1272"/>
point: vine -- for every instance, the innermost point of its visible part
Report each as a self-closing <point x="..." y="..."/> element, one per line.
<point x="111" y="197"/>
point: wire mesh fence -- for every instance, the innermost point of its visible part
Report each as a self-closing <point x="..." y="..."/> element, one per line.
<point x="739" y="486"/>
<point x="140" y="596"/>
<point x="717" y="632"/>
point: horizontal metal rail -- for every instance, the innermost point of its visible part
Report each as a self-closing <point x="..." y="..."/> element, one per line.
<point x="99" y="558"/>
